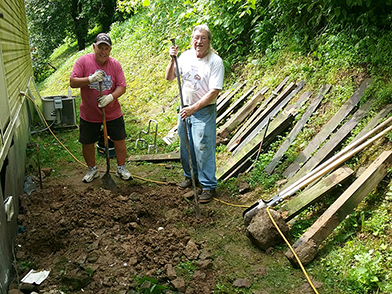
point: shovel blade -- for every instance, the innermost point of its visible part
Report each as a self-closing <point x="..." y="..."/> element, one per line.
<point x="109" y="183"/>
<point x="250" y="212"/>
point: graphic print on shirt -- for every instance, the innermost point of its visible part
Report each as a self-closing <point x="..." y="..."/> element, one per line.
<point x="107" y="83"/>
<point x="191" y="80"/>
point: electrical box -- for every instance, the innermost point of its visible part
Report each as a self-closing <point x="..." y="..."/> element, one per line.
<point x="60" y="109"/>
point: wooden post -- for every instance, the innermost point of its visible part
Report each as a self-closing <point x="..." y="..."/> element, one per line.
<point x="306" y="246"/>
<point x="296" y="205"/>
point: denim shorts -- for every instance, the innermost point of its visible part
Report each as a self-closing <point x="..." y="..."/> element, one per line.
<point x="89" y="132"/>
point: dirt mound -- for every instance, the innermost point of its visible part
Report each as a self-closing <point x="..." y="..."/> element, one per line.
<point x="93" y="241"/>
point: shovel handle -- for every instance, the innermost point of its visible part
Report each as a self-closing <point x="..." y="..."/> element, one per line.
<point x="105" y="132"/>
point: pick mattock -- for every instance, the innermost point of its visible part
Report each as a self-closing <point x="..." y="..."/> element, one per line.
<point x="318" y="172"/>
<point x="188" y="148"/>
<point x="106" y="179"/>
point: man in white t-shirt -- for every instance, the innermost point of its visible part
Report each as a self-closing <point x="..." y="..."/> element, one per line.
<point x="202" y="79"/>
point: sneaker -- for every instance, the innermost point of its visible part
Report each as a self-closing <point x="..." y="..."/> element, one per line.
<point x="186" y="183"/>
<point x="91" y="174"/>
<point x="123" y="173"/>
<point x="207" y="195"/>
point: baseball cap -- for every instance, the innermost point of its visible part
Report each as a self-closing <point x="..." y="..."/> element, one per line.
<point x="102" y="38"/>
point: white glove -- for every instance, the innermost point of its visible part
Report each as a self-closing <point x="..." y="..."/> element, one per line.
<point x="96" y="77"/>
<point x="104" y="100"/>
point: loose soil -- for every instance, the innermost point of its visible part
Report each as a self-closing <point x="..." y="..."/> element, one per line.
<point x="94" y="241"/>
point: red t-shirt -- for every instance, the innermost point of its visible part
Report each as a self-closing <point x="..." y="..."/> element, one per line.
<point x="89" y="110"/>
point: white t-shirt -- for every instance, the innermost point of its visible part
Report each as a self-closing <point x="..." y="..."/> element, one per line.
<point x="199" y="75"/>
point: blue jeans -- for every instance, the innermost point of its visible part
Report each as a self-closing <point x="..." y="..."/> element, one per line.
<point x="201" y="128"/>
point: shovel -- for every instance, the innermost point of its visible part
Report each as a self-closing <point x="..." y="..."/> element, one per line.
<point x="197" y="209"/>
<point x="106" y="179"/>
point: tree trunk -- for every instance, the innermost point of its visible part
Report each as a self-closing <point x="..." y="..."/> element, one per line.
<point x="80" y="24"/>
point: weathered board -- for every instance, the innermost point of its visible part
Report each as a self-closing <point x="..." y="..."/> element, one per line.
<point x="222" y="104"/>
<point x="375" y="121"/>
<point x="327" y="129"/>
<point x="294" y="132"/>
<point x="241" y="114"/>
<point x="172" y="156"/>
<point x="306" y="246"/>
<point x="333" y="142"/>
<point x="259" y="110"/>
<point x="235" y="105"/>
<point x="309" y="196"/>
<point x="270" y="113"/>
<point x="222" y="95"/>
<point x="279" y="124"/>
<point x="245" y="164"/>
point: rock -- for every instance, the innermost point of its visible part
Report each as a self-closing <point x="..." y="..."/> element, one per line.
<point x="171" y="272"/>
<point x="179" y="284"/>
<point x="242" y="283"/>
<point x="46" y="171"/>
<point x="190" y="194"/>
<point x="205" y="254"/>
<point x="204" y="264"/>
<point x="92" y="258"/>
<point x="259" y="271"/>
<point x="24" y="287"/>
<point x="191" y="251"/>
<point x="199" y="276"/>
<point x="243" y="187"/>
<point x="263" y="233"/>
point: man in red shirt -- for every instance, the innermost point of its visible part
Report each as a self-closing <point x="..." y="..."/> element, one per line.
<point x="88" y="71"/>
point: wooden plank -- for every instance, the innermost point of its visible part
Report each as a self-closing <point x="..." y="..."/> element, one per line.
<point x="223" y="103"/>
<point x="269" y="114"/>
<point x="278" y="125"/>
<point x="311" y="195"/>
<point x="242" y="166"/>
<point x="246" y="163"/>
<point x="333" y="142"/>
<point x="171" y="156"/>
<point x="245" y="130"/>
<point x="222" y="96"/>
<point x="298" y="127"/>
<point x="236" y="104"/>
<point x="241" y="114"/>
<point x="306" y="246"/>
<point x="375" y="121"/>
<point x="327" y="129"/>
<point x="279" y="88"/>
<point x="259" y="110"/>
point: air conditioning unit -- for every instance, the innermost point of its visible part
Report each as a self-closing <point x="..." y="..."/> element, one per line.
<point x="59" y="109"/>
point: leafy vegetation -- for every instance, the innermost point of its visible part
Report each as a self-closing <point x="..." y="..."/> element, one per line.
<point x="319" y="41"/>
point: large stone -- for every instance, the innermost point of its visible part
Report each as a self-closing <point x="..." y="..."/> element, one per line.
<point x="262" y="232"/>
<point x="170" y="272"/>
<point x="242" y="283"/>
<point x="179" y="284"/>
<point x="191" y="251"/>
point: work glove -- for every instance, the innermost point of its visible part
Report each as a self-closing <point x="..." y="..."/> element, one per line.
<point x="104" y="100"/>
<point x="96" y="77"/>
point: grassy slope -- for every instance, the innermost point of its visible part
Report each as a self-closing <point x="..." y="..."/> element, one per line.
<point x="149" y="96"/>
